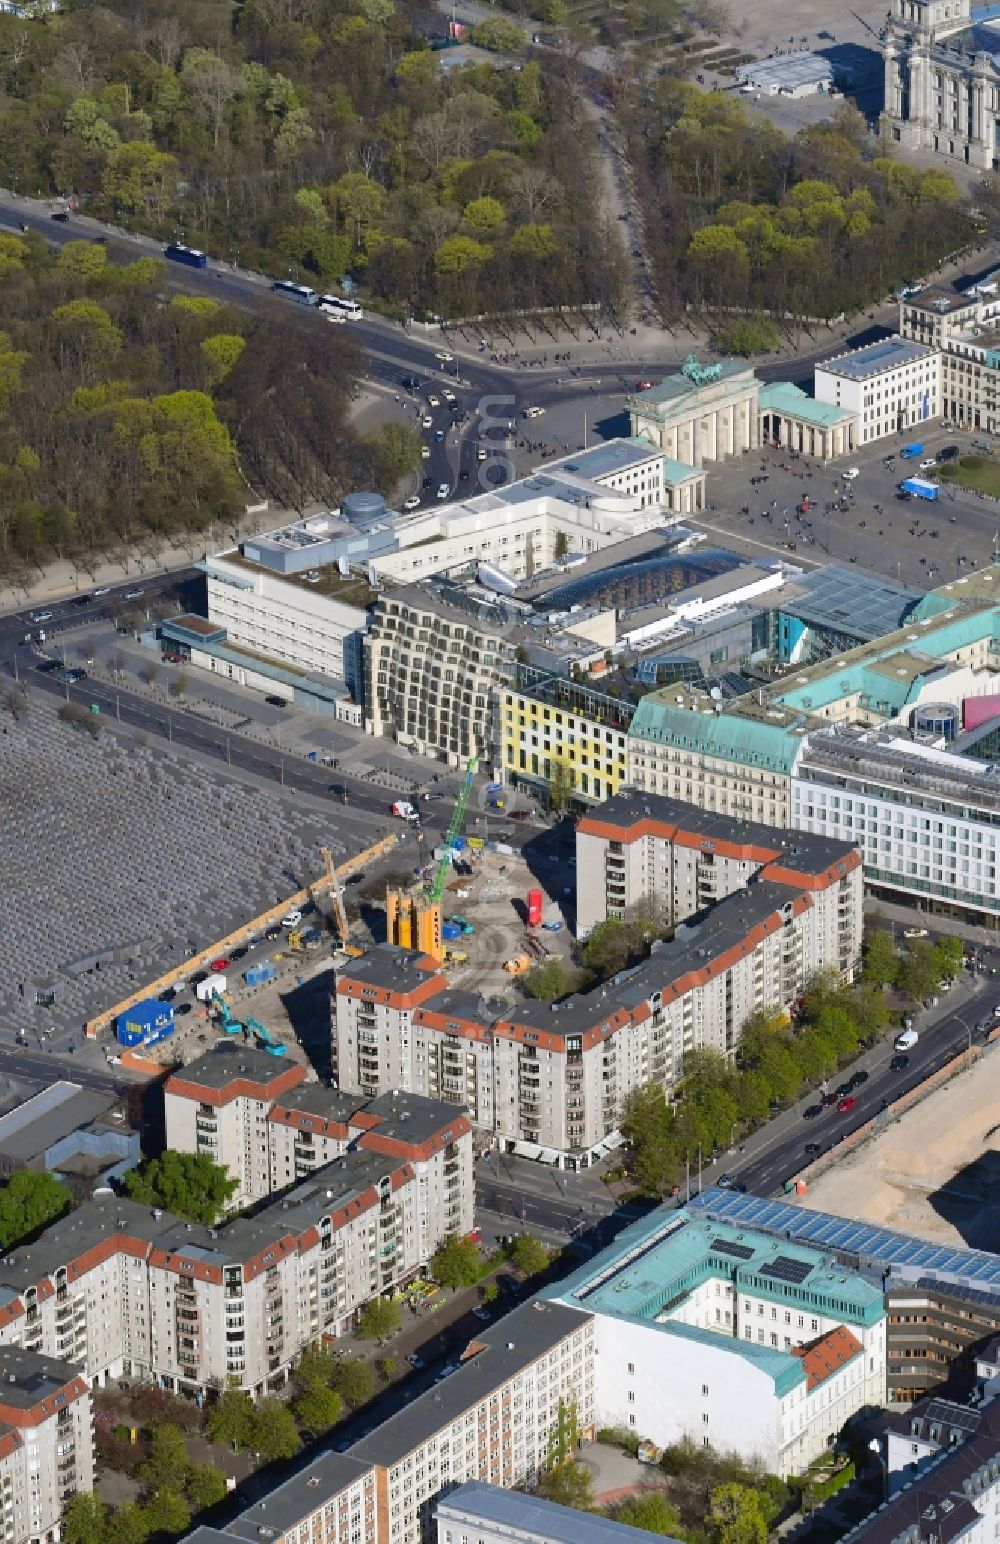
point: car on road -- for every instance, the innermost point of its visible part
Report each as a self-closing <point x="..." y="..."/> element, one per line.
<point x="812" y="1148"/>
<point x="449" y="396"/>
<point x="134" y="594"/>
<point x="520" y="814"/>
<point x="439" y="435"/>
<point x="726" y="1182"/>
<point x="416" y="1361"/>
<point x="464" y="474"/>
<point x="483" y="1314"/>
<point x="828" y="1100"/>
<point x="81" y="600"/>
<point x="272" y="935"/>
<point x="413" y="502"/>
<point x="292" y="918"/>
<point x="41" y="616"/>
<point x="444" y="491"/>
<point x="48" y="665"/>
<point x="532" y="412"/>
<point x="171" y="659"/>
<point x="643" y="385"/>
<point x="482" y="453"/>
<point x="851" y="472"/>
<point x="427" y="421"/>
<point x="276" y="702"/>
<point x="425" y="452"/>
<point x="445" y="357"/>
<point x="811" y="1111"/>
<point x="552" y="927"/>
<point x="948" y="453"/>
<point x="411" y="383"/>
<point x="845" y="1104"/>
<point x="433" y="401"/>
<point x="70" y="677"/>
<point x="985" y="1026"/>
<point x="929" y="464"/>
<point x="857" y="1078"/>
<point x="906" y="1041"/>
<point x="446" y="1372"/>
<point x="899" y="1064"/>
<point x="182" y="1008"/>
<point x="914" y="932"/>
<point x="222" y="963"/>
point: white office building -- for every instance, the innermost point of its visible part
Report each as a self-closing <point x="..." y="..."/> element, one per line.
<point x="730" y="1338"/>
<point x="926" y="821"/>
<point x="891" y="386"/>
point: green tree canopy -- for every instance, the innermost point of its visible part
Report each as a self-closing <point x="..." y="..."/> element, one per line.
<point x="28" y="1202"/>
<point x="190" y="1185"/>
<point x="456" y="1263"/>
<point x="354" y="1381"/>
<point x="378" y="1319"/>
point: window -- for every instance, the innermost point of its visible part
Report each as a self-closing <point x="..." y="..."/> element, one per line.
<point x="704" y="1390"/>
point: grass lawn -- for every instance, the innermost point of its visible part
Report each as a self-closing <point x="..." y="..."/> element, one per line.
<point x="980" y="473"/>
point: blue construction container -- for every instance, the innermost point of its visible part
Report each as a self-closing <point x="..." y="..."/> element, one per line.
<point x="458" y="843"/>
<point x="258" y="974"/>
<point x="145" y="1023"/>
<point x="451" y="931"/>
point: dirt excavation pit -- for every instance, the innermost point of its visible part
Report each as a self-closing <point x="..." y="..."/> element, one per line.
<point x="934" y="1172"/>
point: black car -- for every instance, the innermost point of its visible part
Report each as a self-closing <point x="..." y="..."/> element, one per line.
<point x="845" y="1089"/>
<point x="428" y="482"/>
<point x="411" y="383"/>
<point x="167" y="994"/>
<point x="812" y="1148"/>
<point x="948" y="453"/>
<point x="464" y="475"/>
<point x="62" y="215"/>
<point x="857" y="1078"/>
<point x="48" y="665"/>
<point x="899" y="1064"/>
<point x="182" y="1008"/>
<point x="81" y="600"/>
<point x="811" y="1111"/>
<point x="276" y="702"/>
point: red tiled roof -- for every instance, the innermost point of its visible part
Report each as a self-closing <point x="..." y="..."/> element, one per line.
<point x="823" y="1357"/>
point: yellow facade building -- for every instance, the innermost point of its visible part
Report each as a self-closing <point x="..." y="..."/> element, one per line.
<point x="565" y="738"/>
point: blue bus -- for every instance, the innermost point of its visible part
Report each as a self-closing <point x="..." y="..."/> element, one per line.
<point x="178" y="253"/>
<point x="300" y="293"/>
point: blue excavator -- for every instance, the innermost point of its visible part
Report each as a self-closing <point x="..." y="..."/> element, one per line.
<point x="231" y="1025"/>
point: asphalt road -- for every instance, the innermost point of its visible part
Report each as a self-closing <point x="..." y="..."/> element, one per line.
<point x="777" y="1152"/>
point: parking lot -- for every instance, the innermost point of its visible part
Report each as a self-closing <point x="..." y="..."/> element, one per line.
<point x="757" y="509"/>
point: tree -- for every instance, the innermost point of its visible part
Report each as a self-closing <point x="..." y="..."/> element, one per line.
<point x="274" y="1432"/>
<point x="378" y="1319"/>
<point x="388" y="1366"/>
<point x="317" y="1408"/>
<point x="568" y="1485"/>
<point x="561" y="784"/>
<point x="232" y="1420"/>
<point x="737" y="1515"/>
<point x="354" y="1381"/>
<point x="205" y="1486"/>
<point x="548" y="982"/>
<point x="166" y="1512"/>
<point x="84" y="1520"/>
<point x="651" y="1511"/>
<point x="127" y="1524"/>
<point x="396" y="451"/>
<point x="752" y="335"/>
<point x="190" y="1185"/>
<point x="179" y="684"/>
<point x="649" y="1126"/>
<point x="166" y="1467"/>
<point x="456" y="1263"/>
<point x="28" y="1202"/>
<point x="918" y="975"/>
<point x="881" y="962"/>
<point x="949" y="956"/>
<point x="529" y="1255"/>
<point x="459" y="255"/>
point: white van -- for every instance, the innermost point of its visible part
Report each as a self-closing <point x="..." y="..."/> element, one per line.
<point x="906" y="1041"/>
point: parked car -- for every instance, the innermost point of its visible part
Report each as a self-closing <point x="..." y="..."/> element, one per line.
<point x="845" y="1104"/>
<point x="292" y="918"/>
<point x="222" y="963"/>
<point x="899" y="1064"/>
<point x="413" y="502"/>
<point x="134" y="594"/>
<point x="41" y="616"/>
<point x="914" y="932"/>
<point x="851" y="472"/>
<point x="857" y="1078"/>
<point x="276" y="702"/>
<point x="811" y="1111"/>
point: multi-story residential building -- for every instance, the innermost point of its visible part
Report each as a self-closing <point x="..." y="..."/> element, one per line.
<point x="646" y="852"/>
<point x="942" y="82"/>
<point x="890" y="386"/>
<point x="218" y="1106"/>
<point x="521" y="1388"/>
<point x="122" y="1290"/>
<point x="721" y="1335"/>
<point x="257" y="1115"/>
<point x="555" y="1078"/>
<point x="926" y="821"/>
<point x="475" y="1513"/>
<point x="951" y="1498"/>
<point x="46" y="1444"/>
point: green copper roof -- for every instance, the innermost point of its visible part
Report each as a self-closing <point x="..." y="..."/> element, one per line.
<point x="784" y="397"/>
<point x="728" y="736"/>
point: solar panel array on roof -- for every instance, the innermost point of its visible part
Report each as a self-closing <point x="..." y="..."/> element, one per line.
<point x="738" y="1251"/>
<point x="955" y="1416"/>
<point x="880" y="1248"/>
<point x="784" y="1268"/>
